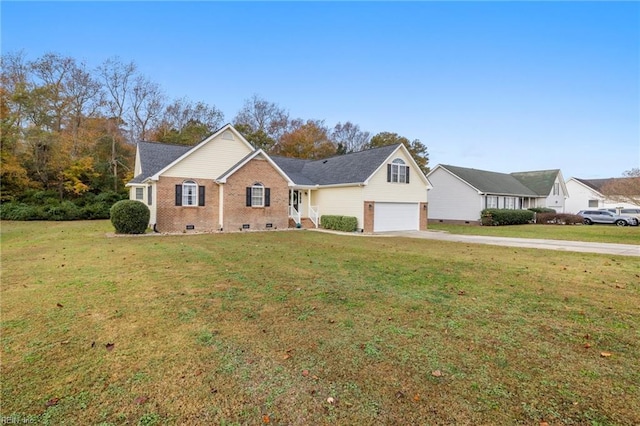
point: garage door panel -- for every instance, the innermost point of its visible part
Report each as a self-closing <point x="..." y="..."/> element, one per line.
<point x="396" y="217"/>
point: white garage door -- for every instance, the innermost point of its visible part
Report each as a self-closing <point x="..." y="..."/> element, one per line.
<point x="396" y="217"/>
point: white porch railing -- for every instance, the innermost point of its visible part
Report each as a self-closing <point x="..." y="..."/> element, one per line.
<point x="314" y="215"/>
<point x="294" y="214"/>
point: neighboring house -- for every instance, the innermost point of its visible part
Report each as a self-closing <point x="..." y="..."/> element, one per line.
<point x="225" y="184"/>
<point x="459" y="194"/>
<point x="586" y="194"/>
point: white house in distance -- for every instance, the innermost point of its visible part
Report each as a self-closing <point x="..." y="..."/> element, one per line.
<point x="586" y="194"/>
<point x="459" y="194"/>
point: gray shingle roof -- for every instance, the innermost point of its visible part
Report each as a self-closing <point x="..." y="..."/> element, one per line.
<point x="155" y="156"/>
<point x="491" y="182"/>
<point x="596" y="184"/>
<point x="356" y="167"/>
<point x="540" y="181"/>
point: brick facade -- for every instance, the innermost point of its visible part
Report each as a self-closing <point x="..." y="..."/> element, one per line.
<point x="172" y="218"/>
<point x="369" y="208"/>
<point x="236" y="213"/>
<point x="424" y="214"/>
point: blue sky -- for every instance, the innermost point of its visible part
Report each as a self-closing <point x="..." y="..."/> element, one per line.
<point x="502" y="86"/>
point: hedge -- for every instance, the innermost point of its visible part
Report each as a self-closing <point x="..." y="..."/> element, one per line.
<point x="497" y="217"/>
<point x="130" y="217"/>
<point x="46" y="205"/>
<point x="339" y="223"/>
<point x="542" y="210"/>
<point x="558" y="218"/>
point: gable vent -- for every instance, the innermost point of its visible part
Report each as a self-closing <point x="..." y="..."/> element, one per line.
<point x="228" y="136"/>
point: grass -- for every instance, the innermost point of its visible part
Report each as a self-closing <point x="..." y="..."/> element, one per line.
<point x="593" y="233"/>
<point x="264" y="328"/>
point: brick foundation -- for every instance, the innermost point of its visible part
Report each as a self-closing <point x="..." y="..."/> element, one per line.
<point x="454" y="221"/>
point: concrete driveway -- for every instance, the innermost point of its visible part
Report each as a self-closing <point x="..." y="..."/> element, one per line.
<point x="578" y="246"/>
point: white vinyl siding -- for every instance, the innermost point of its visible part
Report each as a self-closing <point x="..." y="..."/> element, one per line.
<point x="211" y="160"/>
<point x="452" y="199"/>
<point x="346" y="201"/>
<point x="378" y="189"/>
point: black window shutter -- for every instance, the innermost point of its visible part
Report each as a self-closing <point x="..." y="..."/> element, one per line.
<point x="407" y="174"/>
<point x="388" y="172"/>
<point x="201" y="195"/>
<point x="267" y="197"/>
<point x="248" y="196"/>
<point x="178" y="195"/>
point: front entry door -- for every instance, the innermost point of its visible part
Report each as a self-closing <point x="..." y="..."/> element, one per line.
<point x="294" y="200"/>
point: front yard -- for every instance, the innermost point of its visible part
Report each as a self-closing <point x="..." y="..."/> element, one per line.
<point x="299" y="327"/>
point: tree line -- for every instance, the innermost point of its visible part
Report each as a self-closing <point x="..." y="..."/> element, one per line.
<point x="69" y="131"/>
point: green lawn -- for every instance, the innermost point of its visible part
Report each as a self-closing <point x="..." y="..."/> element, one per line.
<point x="592" y="233"/>
<point x="299" y="327"/>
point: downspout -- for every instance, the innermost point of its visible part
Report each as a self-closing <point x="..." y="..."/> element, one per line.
<point x="221" y="205"/>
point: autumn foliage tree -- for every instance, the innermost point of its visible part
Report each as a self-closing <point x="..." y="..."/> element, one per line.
<point x="68" y="132"/>
<point x="308" y="140"/>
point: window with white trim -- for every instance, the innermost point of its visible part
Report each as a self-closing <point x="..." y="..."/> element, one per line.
<point x="556" y="188"/>
<point x="398" y="171"/>
<point x="593" y="203"/>
<point x="189" y="193"/>
<point x="140" y="194"/>
<point x="257" y="195"/>
<point x="510" y="203"/>
<point x="492" y="202"/>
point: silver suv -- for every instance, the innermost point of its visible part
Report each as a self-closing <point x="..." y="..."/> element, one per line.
<point x="604" y="216"/>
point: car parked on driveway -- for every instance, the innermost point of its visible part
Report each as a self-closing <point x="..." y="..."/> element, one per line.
<point x="604" y="216"/>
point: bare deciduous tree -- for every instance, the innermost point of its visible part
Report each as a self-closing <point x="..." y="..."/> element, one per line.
<point x="625" y="189"/>
<point x="147" y="105"/>
<point x="349" y="137"/>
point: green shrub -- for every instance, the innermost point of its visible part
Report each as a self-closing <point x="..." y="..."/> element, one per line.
<point x="339" y="223"/>
<point x="99" y="210"/>
<point x="558" y="218"/>
<point x="130" y="217"/>
<point x="20" y="211"/>
<point x="542" y="210"/>
<point x="497" y="217"/>
<point x="62" y="211"/>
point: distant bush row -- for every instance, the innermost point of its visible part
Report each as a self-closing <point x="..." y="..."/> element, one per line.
<point x="45" y="205"/>
<point x="542" y="215"/>
<point x="496" y="217"/>
<point x="558" y="218"/>
<point x="339" y="223"/>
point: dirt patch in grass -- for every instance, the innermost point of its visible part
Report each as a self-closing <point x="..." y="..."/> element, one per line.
<point x="310" y="328"/>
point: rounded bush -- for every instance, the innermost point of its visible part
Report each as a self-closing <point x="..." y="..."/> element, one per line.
<point x="130" y="217"/>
